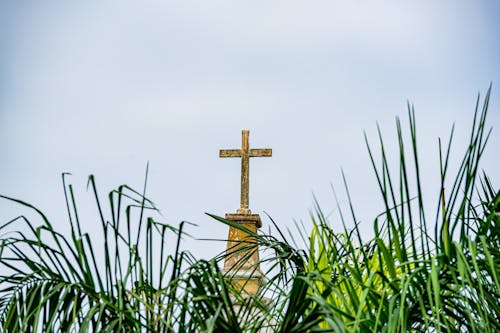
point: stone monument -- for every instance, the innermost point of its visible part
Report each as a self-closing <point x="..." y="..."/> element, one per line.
<point x="241" y="263"/>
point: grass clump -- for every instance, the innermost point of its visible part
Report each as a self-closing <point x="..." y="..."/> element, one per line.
<point x="417" y="274"/>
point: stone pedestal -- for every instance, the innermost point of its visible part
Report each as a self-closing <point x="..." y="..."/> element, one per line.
<point x="242" y="254"/>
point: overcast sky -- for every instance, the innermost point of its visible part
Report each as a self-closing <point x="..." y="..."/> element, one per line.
<point x="103" y="87"/>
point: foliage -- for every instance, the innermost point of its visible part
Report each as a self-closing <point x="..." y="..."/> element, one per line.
<point x="410" y="277"/>
<point x="416" y="274"/>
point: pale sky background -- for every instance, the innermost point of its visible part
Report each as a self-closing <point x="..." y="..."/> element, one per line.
<point x="102" y="87"/>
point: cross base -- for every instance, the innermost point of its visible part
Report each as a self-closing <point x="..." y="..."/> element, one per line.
<point x="242" y="263"/>
<point x="244" y="211"/>
<point x="245" y="218"/>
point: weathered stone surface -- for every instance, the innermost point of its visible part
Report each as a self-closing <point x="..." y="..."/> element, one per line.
<point x="241" y="263"/>
<point x="242" y="253"/>
<point x="241" y="250"/>
<point x="245" y="153"/>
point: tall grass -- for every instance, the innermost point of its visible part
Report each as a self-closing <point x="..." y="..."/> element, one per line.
<point x="416" y="274"/>
<point x="419" y="273"/>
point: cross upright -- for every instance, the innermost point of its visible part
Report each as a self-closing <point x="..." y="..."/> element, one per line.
<point x="245" y="153"/>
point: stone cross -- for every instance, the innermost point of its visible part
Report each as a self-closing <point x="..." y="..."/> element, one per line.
<point x="245" y="153"/>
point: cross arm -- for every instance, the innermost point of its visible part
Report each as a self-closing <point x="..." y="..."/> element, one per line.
<point x="266" y="152"/>
<point x="230" y="153"/>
